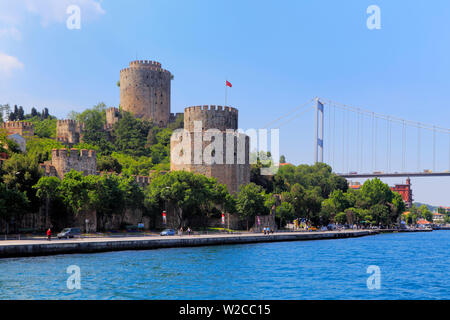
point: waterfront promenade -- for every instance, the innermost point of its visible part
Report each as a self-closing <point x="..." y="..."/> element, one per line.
<point x="23" y="248"/>
<point x="39" y="247"/>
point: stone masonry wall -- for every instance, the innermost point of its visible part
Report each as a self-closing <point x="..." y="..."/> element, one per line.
<point x="69" y="131"/>
<point x="62" y="162"/>
<point x="145" y="91"/>
<point x="233" y="174"/>
<point x="25" y="129"/>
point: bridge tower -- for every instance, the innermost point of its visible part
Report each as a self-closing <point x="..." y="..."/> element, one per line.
<point x="318" y="140"/>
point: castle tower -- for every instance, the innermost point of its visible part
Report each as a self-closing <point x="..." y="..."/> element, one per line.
<point x="62" y="162"/>
<point x="211" y="146"/>
<point x="112" y="117"/>
<point x="145" y="91"/>
<point x="69" y="131"/>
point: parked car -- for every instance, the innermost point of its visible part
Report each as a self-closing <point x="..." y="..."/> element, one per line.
<point x="69" y="233"/>
<point x="168" y="232"/>
<point x="331" y="227"/>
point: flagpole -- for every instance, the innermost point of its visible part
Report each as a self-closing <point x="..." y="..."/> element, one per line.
<point x="226" y="92"/>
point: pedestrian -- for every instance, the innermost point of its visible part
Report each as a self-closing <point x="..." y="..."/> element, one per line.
<point x="49" y="234"/>
<point x="189" y="231"/>
<point x="264" y="230"/>
<point x="180" y="232"/>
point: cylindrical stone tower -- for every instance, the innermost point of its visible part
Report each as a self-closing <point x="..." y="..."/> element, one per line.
<point x="145" y="91"/>
<point x="222" y="153"/>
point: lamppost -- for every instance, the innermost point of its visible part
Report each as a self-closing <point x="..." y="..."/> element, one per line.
<point x="166" y="205"/>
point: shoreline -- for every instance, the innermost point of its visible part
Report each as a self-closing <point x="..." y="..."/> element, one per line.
<point x="34" y="248"/>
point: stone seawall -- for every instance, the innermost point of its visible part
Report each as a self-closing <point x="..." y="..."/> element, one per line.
<point x="26" y="248"/>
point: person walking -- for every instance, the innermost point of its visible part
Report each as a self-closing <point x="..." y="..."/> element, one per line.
<point x="49" y="234"/>
<point x="189" y="231"/>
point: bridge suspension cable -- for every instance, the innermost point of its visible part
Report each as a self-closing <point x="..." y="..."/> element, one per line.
<point x="288" y="114"/>
<point x="393" y="119"/>
<point x="353" y="156"/>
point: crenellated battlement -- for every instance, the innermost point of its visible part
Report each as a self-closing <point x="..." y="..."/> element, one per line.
<point x="211" y="116"/>
<point x="23" y="128"/>
<point x="63" y="161"/>
<point x="66" y="122"/>
<point x="145" y="63"/>
<point x="139" y="69"/>
<point x="211" y="108"/>
<point x="17" y="124"/>
<point x="63" y="154"/>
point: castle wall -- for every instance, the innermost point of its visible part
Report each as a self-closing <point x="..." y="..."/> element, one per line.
<point x="25" y="129"/>
<point x="145" y="91"/>
<point x="174" y="116"/>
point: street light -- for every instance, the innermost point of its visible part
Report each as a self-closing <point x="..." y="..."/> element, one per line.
<point x="164" y="217"/>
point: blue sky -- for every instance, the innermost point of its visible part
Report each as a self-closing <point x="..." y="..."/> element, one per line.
<point x="277" y="54"/>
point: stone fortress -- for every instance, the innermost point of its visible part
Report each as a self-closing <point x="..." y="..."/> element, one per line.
<point x="145" y="89"/>
<point x="231" y="164"/>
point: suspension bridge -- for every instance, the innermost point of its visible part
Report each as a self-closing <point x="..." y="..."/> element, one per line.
<point x="359" y="143"/>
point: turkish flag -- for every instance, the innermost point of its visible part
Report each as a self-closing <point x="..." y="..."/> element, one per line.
<point x="228" y="84"/>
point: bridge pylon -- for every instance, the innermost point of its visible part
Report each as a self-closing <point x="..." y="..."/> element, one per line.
<point x="319" y="129"/>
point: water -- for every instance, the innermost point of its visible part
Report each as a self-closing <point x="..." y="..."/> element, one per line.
<point x="413" y="266"/>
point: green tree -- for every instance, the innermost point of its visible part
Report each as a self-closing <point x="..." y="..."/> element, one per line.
<point x="285" y="212"/>
<point x="13" y="204"/>
<point x="341" y="218"/>
<point x="426" y="213"/>
<point x="250" y="201"/>
<point x="108" y="163"/>
<point x="22" y="173"/>
<point x="105" y="196"/>
<point x="44" y="128"/>
<point x="94" y="120"/>
<point x="74" y="191"/>
<point x="376" y="192"/>
<point x="47" y="189"/>
<point x="131" y="135"/>
<point x="191" y="194"/>
<point x="40" y="149"/>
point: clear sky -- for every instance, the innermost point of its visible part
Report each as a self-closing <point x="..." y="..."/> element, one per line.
<point x="277" y="55"/>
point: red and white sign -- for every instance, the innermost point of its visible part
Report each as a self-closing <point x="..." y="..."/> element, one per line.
<point x="164" y="217"/>
<point x="223" y="218"/>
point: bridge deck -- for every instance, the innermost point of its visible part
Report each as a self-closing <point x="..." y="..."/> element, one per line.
<point x="393" y="175"/>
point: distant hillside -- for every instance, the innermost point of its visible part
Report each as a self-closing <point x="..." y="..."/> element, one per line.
<point x="430" y="207"/>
